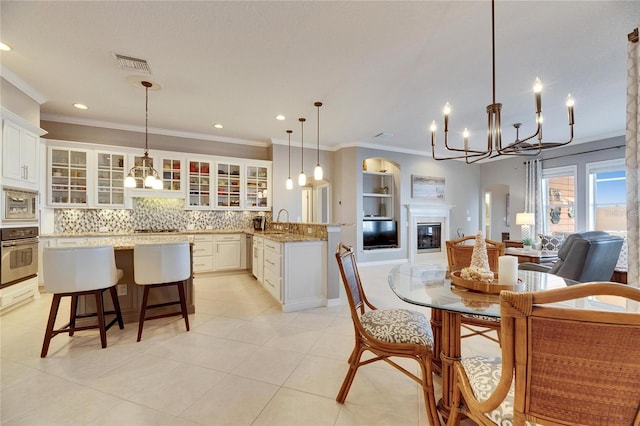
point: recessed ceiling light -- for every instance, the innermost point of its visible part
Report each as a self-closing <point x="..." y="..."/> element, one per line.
<point x="280" y="117"/>
<point x="81" y="106"/>
<point x="4" y="47"/>
<point x="218" y="126"/>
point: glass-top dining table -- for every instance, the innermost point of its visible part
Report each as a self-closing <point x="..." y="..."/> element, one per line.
<point x="427" y="285"/>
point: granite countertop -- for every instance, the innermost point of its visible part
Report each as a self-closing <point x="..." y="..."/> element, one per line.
<point x="127" y="243"/>
<point x="127" y="239"/>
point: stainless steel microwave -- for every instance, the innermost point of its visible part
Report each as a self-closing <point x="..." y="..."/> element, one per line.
<point x="19" y="205"/>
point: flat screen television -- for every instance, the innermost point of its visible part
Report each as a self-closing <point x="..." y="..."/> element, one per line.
<point x="377" y="234"/>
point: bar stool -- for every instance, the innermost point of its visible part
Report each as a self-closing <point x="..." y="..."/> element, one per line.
<point x="162" y="265"/>
<point x="80" y="271"/>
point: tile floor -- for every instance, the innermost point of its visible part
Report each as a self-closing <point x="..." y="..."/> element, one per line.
<point x="244" y="362"/>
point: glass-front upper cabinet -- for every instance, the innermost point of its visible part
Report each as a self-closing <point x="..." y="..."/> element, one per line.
<point x="257" y="187"/>
<point x="228" y="185"/>
<point x="199" y="184"/>
<point x="171" y="174"/>
<point x="67" y="177"/>
<point x="110" y="179"/>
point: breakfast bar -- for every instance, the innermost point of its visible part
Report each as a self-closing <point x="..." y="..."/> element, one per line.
<point x="129" y="293"/>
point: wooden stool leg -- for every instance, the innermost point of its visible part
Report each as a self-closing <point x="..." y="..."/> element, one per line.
<point x="183" y="303"/>
<point x="100" y="308"/>
<point x="48" y="334"/>
<point x="72" y="314"/>
<point x="143" y="311"/>
<point x="116" y="306"/>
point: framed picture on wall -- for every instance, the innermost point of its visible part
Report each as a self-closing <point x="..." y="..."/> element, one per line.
<point x="427" y="187"/>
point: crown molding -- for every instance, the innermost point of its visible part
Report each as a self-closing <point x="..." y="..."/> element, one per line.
<point x="25" y="88"/>
<point x="152" y="130"/>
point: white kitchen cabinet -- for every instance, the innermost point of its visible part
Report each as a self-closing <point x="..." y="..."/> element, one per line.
<point x="272" y="276"/>
<point x="109" y="180"/>
<point x="228" y="186"/>
<point x="304" y="275"/>
<point x="202" y="253"/>
<point x="257" y="186"/>
<point x="19" y="156"/>
<point x="294" y="273"/>
<point x="257" y="267"/>
<point x="68" y="177"/>
<point x="17" y="293"/>
<point x="199" y="185"/>
<point x="228" y="250"/>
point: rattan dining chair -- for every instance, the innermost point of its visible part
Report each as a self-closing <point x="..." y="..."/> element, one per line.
<point x="559" y="365"/>
<point x="386" y="333"/>
<point x="459" y="256"/>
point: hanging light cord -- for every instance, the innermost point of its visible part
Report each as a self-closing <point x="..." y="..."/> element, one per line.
<point x="318" y="105"/>
<point x="302" y="120"/>
<point x="289" y="132"/>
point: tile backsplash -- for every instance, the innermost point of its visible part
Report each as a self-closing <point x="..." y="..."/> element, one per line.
<point x="150" y="213"/>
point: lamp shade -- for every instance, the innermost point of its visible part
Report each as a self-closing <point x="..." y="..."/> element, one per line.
<point x="525" y="219"/>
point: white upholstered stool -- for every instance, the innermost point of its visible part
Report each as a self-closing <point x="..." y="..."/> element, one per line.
<point x="78" y="271"/>
<point x="161" y="265"/>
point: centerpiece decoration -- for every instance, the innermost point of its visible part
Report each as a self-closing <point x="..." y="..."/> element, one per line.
<point x="478" y="276"/>
<point x="479" y="269"/>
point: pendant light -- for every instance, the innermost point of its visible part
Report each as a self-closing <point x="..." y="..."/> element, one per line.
<point x="302" y="179"/>
<point x="150" y="176"/>
<point x="289" y="180"/>
<point x="317" y="172"/>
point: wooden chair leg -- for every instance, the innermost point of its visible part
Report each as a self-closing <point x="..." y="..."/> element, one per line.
<point x="427" y="389"/>
<point x="351" y="374"/>
<point x="101" y="326"/>
<point x="48" y="334"/>
<point x="116" y="306"/>
<point x="143" y="311"/>
<point x="183" y="303"/>
<point x="73" y="309"/>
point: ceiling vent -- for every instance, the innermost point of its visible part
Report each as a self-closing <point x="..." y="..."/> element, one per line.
<point x="128" y="63"/>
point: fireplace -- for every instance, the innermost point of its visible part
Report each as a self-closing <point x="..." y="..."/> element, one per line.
<point x="429" y="237"/>
<point x="428" y="229"/>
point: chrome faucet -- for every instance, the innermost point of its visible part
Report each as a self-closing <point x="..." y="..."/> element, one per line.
<point x="278" y="217"/>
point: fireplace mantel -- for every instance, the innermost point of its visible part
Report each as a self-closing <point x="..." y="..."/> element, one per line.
<point x="427" y="213"/>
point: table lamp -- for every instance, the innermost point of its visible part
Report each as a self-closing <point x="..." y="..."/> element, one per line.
<point x="525" y="220"/>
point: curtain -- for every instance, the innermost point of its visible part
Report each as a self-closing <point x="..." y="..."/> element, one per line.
<point x="632" y="159"/>
<point x="532" y="196"/>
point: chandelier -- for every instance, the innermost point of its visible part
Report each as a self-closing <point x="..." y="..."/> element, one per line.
<point x="149" y="175"/>
<point x="494" y="146"/>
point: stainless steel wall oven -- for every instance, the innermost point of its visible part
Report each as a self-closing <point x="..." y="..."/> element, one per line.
<point x="19" y="250"/>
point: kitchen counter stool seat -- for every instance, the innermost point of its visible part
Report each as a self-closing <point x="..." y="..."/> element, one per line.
<point x="162" y="265"/>
<point x="80" y="271"/>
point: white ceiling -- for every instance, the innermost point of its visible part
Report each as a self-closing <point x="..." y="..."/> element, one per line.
<point x="379" y="67"/>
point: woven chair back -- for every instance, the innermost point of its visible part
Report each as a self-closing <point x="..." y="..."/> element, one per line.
<point x="459" y="253"/>
<point x="346" y="259"/>
<point x="572" y="366"/>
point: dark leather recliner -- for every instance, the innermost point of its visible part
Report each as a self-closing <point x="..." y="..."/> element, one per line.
<point x="584" y="257"/>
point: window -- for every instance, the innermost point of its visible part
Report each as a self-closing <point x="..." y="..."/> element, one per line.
<point x="559" y="200"/>
<point x="607" y="186"/>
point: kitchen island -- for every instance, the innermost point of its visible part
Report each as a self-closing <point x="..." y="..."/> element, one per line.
<point x="129" y="293"/>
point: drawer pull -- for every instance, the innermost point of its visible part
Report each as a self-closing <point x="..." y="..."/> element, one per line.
<point x="22" y="294"/>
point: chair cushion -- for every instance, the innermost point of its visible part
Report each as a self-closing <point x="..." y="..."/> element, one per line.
<point x="484" y="374"/>
<point x="551" y="242"/>
<point x="398" y="326"/>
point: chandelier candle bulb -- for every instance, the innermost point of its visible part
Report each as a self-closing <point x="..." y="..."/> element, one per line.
<point x="508" y="269"/>
<point x="570" y="103"/>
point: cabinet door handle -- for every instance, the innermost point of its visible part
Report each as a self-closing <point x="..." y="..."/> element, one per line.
<point x="26" y="172"/>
